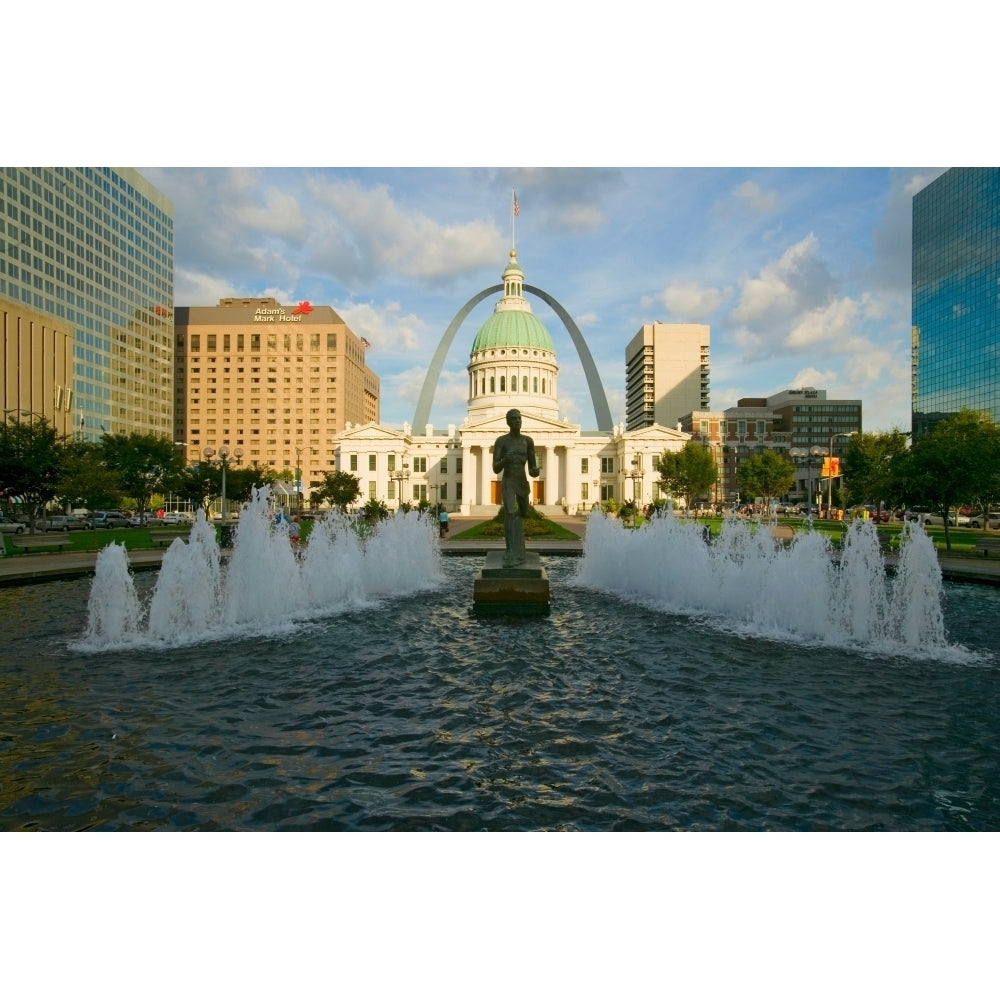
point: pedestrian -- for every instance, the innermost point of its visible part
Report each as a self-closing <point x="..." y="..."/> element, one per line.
<point x="443" y="521"/>
<point x="294" y="530"/>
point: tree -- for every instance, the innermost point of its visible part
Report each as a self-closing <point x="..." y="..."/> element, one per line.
<point x="339" y="489"/>
<point x="30" y="460"/>
<point x="84" y="479"/>
<point x="688" y="473"/>
<point x="868" y="469"/>
<point x="951" y="464"/>
<point x="144" y="464"/>
<point x="768" y="475"/>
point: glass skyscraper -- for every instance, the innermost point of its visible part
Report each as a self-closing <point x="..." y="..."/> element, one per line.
<point x="956" y="296"/>
<point x="86" y="299"/>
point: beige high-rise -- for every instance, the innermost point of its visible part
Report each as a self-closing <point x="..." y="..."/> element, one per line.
<point x="278" y="381"/>
<point x="666" y="374"/>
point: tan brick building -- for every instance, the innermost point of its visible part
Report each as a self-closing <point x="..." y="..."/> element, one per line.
<point x="277" y="381"/>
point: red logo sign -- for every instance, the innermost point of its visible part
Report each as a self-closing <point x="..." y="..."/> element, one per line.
<point x="302" y="309"/>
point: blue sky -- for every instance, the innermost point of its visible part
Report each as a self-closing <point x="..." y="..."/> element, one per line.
<point x="803" y="274"/>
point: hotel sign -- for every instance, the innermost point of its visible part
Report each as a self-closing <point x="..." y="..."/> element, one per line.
<point x="279" y="315"/>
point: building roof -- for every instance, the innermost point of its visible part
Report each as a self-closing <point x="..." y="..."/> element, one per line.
<point x="512" y="323"/>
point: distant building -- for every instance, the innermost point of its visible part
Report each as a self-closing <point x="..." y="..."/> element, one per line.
<point x="86" y="296"/>
<point x="278" y="381"/>
<point x="512" y="365"/>
<point x="955" y="304"/>
<point x="801" y="424"/>
<point x="666" y="373"/>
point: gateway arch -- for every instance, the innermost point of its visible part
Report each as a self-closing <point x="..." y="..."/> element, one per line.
<point x="597" y="397"/>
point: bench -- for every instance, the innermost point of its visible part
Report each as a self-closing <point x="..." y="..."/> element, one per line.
<point x="161" y="535"/>
<point x="986" y="545"/>
<point x="25" y="542"/>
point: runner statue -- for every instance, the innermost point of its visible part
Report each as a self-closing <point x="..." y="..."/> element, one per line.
<point x="510" y="454"/>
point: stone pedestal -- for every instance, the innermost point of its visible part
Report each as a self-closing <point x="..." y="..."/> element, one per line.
<point x="511" y="590"/>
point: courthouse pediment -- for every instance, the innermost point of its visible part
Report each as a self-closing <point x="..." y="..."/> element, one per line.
<point x="371" y="432"/>
<point x="530" y="424"/>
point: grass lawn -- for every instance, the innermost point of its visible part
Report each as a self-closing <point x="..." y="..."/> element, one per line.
<point x="533" y="528"/>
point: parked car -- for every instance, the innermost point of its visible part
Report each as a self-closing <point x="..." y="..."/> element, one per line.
<point x="9" y="527"/>
<point x="108" y="519"/>
<point x="175" y="517"/>
<point x="138" y="521"/>
<point x="65" y="522"/>
<point x="993" y="521"/>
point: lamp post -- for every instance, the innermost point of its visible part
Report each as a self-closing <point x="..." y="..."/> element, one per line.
<point x="224" y="461"/>
<point x="636" y="475"/>
<point x="400" y="476"/>
<point x="808" y="455"/>
<point x="829" y="485"/>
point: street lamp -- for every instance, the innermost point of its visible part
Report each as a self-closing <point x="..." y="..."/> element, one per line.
<point x="829" y="485"/>
<point x="636" y="476"/>
<point x="224" y="461"/>
<point x="809" y="455"/>
<point x="400" y="476"/>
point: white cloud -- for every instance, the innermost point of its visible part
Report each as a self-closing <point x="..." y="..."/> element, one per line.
<point x="755" y="198"/>
<point x="279" y="215"/>
<point x="796" y="281"/>
<point x="386" y="328"/>
<point x="367" y="229"/>
<point x="587" y="319"/>
<point x="689" y="302"/>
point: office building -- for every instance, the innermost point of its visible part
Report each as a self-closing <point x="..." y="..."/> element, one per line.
<point x="86" y="294"/>
<point x="278" y="382"/>
<point x="956" y="309"/>
<point x="666" y="374"/>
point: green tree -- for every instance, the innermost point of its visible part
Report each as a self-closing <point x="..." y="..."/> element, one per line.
<point x="870" y="468"/>
<point x="30" y="464"/>
<point x="84" y="478"/>
<point x="768" y="475"/>
<point x="687" y="473"/>
<point x="951" y="464"/>
<point x="339" y="489"/>
<point x="144" y="464"/>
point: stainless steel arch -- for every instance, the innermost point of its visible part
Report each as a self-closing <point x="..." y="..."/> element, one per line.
<point x="599" y="400"/>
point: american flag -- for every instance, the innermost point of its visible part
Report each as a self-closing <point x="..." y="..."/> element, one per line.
<point x="517" y="208"/>
<point x="365" y="343"/>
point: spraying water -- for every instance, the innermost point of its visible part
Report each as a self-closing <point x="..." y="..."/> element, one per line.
<point x="268" y="583"/>
<point x="801" y="592"/>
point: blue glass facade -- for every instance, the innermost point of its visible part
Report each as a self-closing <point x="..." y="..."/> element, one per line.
<point x="956" y="296"/>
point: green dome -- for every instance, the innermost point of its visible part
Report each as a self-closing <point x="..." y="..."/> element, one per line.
<point x="513" y="328"/>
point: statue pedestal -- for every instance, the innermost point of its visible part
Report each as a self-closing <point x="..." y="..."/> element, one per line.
<point x="511" y="590"/>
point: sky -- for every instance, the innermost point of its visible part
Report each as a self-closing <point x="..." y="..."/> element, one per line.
<point x="802" y="273"/>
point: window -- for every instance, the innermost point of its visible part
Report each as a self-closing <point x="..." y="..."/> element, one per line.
<point x="371" y="463"/>
<point x="584" y="466"/>
<point x="444" y="466"/>
<point x="372" y="495"/>
<point x="354" y="463"/>
<point x="420" y="463"/>
<point x="391" y="463"/>
<point x="585" y="489"/>
<point x="607" y="467"/>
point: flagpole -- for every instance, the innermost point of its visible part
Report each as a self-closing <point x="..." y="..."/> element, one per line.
<point x="513" y="202"/>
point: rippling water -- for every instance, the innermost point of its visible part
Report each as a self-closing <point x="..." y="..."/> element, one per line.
<point x="415" y="715"/>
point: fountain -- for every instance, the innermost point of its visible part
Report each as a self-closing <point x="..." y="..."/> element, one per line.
<point x="674" y="684"/>
<point x="267" y="585"/>
<point x="802" y="592"/>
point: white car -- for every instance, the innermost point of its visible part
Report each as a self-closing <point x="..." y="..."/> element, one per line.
<point x="175" y="517"/>
<point x="992" y="522"/>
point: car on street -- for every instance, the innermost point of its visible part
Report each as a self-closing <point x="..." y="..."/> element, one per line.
<point x="9" y="527"/>
<point x="175" y="517"/>
<point x="138" y="521"/>
<point x="65" y="522"/>
<point x="993" y="521"/>
<point x="108" y="519"/>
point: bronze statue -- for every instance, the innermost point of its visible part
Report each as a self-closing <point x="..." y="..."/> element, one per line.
<point x="510" y="454"/>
